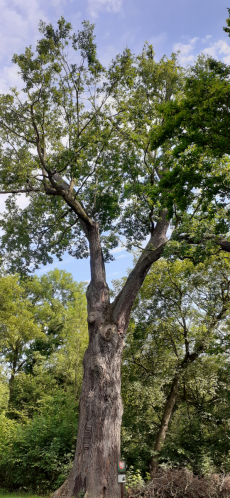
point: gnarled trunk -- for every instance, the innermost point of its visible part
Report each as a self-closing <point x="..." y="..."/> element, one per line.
<point x="94" y="470"/>
<point x="98" y="442"/>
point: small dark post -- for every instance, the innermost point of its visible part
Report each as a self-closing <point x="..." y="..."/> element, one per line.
<point x="122" y="490"/>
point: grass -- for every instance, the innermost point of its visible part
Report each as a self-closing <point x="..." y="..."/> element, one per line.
<point x="16" y="494"/>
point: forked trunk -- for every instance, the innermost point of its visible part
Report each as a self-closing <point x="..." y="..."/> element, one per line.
<point x="94" y="473"/>
<point x="98" y="443"/>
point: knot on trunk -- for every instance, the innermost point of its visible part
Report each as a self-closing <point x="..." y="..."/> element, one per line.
<point x="107" y="331"/>
<point x="94" y="316"/>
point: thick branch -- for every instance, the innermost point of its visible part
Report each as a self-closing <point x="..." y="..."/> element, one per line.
<point x="63" y="188"/>
<point x="224" y="244"/>
<point x="152" y="252"/>
<point x="41" y="157"/>
<point x="98" y="291"/>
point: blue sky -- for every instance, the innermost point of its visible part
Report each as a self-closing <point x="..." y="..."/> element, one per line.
<point x="191" y="26"/>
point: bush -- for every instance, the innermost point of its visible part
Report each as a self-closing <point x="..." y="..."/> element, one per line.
<point x="42" y="450"/>
<point x="133" y="478"/>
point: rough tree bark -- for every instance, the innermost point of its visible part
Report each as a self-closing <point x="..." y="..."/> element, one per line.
<point x="98" y="443"/>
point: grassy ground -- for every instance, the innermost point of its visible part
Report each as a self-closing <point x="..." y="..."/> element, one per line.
<point x="6" y="494"/>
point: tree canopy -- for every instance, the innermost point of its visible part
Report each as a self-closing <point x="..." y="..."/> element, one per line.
<point x="91" y="125"/>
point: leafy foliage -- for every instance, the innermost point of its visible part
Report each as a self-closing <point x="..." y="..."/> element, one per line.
<point x="38" y="426"/>
<point x="84" y="129"/>
<point x="180" y="326"/>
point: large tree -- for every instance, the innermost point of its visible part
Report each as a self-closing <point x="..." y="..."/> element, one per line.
<point x="76" y="141"/>
<point x="189" y="331"/>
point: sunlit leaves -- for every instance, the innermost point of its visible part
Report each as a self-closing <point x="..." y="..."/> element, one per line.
<point x="93" y="126"/>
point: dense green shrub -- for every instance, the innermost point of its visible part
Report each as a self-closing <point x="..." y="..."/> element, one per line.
<point x="41" y="450"/>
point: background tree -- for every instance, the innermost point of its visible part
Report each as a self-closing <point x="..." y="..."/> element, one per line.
<point x="18" y="327"/>
<point x="196" y="123"/>
<point x="177" y="361"/>
<point x="38" y="427"/>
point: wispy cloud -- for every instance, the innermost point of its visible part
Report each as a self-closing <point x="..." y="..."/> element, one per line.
<point x="157" y="42"/>
<point x="18" y="24"/>
<point x="95" y="6"/>
<point x="18" y="28"/>
<point x="10" y="78"/>
<point x="219" y="50"/>
<point x="204" y="40"/>
<point x="186" y="50"/>
<point x="189" y="51"/>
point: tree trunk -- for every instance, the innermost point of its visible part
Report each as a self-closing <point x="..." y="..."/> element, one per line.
<point x="94" y="470"/>
<point x="98" y="443"/>
<point x="11" y="388"/>
<point x="169" y="405"/>
<point x="12" y="376"/>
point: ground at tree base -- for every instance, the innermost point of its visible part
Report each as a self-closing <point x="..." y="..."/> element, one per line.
<point x="179" y="483"/>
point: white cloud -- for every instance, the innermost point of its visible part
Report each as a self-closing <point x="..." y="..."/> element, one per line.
<point x="9" y="79"/>
<point x="186" y="51"/>
<point x="56" y="3"/>
<point x="18" y="25"/>
<point x="219" y="50"/>
<point x="22" y="201"/>
<point x="3" y="198"/>
<point x="122" y="256"/>
<point x="95" y="6"/>
<point x="157" y="42"/>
